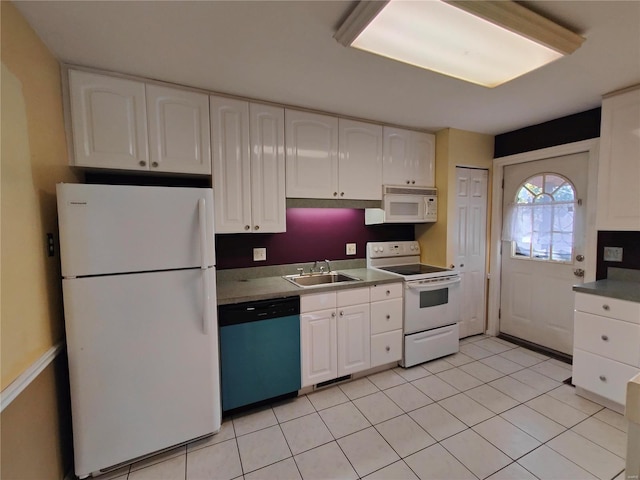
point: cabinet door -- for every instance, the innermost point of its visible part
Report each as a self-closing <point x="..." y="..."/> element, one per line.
<point x="109" y="121"/>
<point x="318" y="347"/>
<point x="312" y="155"/>
<point x="267" y="169"/>
<point x="619" y="164"/>
<point x="231" y="164"/>
<point x="409" y="158"/>
<point x="178" y="130"/>
<point x="423" y="152"/>
<point x="354" y="339"/>
<point x="396" y="163"/>
<point x="360" y="160"/>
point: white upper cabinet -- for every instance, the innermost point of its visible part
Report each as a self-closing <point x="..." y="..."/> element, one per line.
<point x="312" y="155"/>
<point x="248" y="166"/>
<point x="126" y="124"/>
<point x="360" y="160"/>
<point x="178" y="130"/>
<point x="409" y="158"/>
<point x="619" y="163"/>
<point x="268" y="207"/>
<point x="109" y="122"/>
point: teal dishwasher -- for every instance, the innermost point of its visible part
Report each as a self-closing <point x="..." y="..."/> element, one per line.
<point x="259" y="351"/>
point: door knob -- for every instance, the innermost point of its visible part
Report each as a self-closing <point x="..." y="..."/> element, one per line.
<point x="579" y="258"/>
<point x="578" y="272"/>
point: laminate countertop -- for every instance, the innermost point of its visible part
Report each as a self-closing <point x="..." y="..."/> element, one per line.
<point x="621" y="283"/>
<point x="243" y="288"/>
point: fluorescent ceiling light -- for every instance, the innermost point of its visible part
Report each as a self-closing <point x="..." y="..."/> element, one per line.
<point x="483" y="42"/>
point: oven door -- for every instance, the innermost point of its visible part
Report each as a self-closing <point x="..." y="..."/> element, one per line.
<point x="431" y="304"/>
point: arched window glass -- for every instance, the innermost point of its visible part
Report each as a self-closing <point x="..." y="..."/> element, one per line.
<point x="540" y="223"/>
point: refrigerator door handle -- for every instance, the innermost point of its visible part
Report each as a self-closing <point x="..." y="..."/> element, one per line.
<point x="202" y="215"/>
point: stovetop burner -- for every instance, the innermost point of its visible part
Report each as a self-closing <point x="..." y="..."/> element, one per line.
<point x="414" y="269"/>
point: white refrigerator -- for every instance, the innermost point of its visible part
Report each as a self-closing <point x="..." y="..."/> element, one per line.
<point x="138" y="268"/>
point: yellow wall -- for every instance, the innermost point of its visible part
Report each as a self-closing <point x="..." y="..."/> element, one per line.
<point x="454" y="148"/>
<point x="33" y="159"/>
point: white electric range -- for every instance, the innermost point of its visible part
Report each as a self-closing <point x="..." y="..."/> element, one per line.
<point x="431" y="306"/>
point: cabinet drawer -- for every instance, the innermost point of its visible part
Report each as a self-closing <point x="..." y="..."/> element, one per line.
<point x="608" y="307"/>
<point x="317" y="301"/>
<point x="386" y="348"/>
<point x="386" y="291"/>
<point x="353" y="296"/>
<point x="602" y="376"/>
<point x="386" y="316"/>
<point x="607" y="337"/>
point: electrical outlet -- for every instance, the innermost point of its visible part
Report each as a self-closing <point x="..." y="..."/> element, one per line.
<point x="351" y="248"/>
<point x="259" y="254"/>
<point x="612" y="254"/>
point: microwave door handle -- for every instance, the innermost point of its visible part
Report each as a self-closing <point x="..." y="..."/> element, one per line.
<point x="432" y="286"/>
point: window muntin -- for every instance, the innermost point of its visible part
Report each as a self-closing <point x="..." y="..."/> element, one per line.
<point x="542" y="219"/>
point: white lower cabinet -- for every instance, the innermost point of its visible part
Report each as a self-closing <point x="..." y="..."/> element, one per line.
<point x="386" y="323"/>
<point x="335" y="340"/>
<point x="606" y="345"/>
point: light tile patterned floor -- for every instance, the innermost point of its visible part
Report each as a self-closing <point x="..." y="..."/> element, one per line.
<point x="493" y="411"/>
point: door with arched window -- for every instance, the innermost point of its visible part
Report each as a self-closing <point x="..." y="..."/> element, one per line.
<point x="543" y="249"/>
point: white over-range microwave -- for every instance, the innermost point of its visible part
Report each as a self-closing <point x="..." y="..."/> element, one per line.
<point x="401" y="204"/>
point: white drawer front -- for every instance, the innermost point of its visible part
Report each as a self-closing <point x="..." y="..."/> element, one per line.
<point x="424" y="346"/>
<point x="602" y="376"/>
<point x="386" y="348"/>
<point x="386" y="291"/>
<point x="608" y="307"/>
<point x="353" y="296"/>
<point x="607" y="337"/>
<point x="317" y="301"/>
<point x="386" y="316"/>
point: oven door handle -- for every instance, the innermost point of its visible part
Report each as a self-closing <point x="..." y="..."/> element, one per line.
<point x="432" y="286"/>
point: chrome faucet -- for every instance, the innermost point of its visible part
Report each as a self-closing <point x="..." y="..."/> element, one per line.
<point x="328" y="265"/>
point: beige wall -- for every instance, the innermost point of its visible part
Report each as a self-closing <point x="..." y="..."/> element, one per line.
<point x="33" y="160"/>
<point x="454" y="148"/>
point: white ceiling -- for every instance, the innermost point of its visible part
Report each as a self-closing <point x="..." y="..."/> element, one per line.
<point x="285" y="52"/>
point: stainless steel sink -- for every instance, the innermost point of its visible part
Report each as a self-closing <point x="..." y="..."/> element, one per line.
<point x="320" y="279"/>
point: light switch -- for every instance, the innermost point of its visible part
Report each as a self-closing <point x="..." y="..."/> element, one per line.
<point x="259" y="254"/>
<point x="351" y="248"/>
<point x="612" y="254"/>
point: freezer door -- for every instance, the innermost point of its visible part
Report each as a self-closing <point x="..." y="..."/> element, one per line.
<point x="144" y="375"/>
<point x="119" y="228"/>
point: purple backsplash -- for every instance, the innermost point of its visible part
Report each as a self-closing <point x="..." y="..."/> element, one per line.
<point x="312" y="234"/>
<point x="630" y="243"/>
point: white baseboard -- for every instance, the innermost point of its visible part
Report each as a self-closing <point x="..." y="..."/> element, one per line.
<point x="16" y="387"/>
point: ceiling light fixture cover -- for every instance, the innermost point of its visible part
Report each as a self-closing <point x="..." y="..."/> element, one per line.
<point x="482" y="42"/>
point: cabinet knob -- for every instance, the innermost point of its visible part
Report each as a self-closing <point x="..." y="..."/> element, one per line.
<point x="342" y="314"/>
<point x="413" y="182"/>
<point x="142" y="163"/>
<point x="387" y="348"/>
<point x="257" y="227"/>
<point x="333" y="314"/>
<point x="388" y="292"/>
<point x="602" y="378"/>
<point x="408" y="182"/>
<point x="605" y="338"/>
<point x="342" y="194"/>
<point x="606" y="307"/>
<point x="247" y="227"/>
<point x="335" y="194"/>
<point x="155" y="164"/>
<point x="388" y="317"/>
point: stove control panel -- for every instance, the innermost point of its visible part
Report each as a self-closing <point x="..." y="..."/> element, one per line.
<point x="392" y="249"/>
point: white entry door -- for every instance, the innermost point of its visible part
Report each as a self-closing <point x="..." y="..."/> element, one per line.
<point x="471" y="247"/>
<point x="544" y="215"/>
